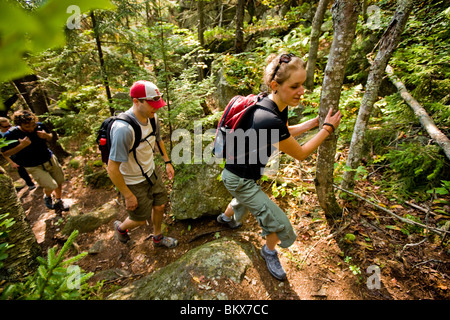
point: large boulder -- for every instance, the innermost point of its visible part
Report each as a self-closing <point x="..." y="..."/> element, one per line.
<point x="198" y="192"/>
<point x="195" y="276"/>
<point x="90" y="221"/>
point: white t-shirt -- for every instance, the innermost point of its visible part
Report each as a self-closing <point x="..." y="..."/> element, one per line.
<point x="122" y="139"/>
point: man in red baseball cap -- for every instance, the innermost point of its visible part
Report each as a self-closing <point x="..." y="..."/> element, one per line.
<point x="146" y="90"/>
<point x="134" y="174"/>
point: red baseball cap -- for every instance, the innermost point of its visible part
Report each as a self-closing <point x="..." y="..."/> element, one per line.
<point x="148" y="91"/>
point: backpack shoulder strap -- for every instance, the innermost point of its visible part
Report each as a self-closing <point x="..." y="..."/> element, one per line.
<point x="266" y="105"/>
<point x="136" y="128"/>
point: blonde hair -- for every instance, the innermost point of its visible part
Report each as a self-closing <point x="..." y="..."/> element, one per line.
<point x="284" y="70"/>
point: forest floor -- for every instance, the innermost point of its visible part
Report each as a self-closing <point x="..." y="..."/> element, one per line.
<point x="326" y="263"/>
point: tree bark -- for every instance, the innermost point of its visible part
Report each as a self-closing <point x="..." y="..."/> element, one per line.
<point x="102" y="62"/>
<point x="239" y="41"/>
<point x="201" y="38"/>
<point x="344" y="15"/>
<point x="388" y="43"/>
<point x="425" y="120"/>
<point x="21" y="259"/>
<point x="314" y="43"/>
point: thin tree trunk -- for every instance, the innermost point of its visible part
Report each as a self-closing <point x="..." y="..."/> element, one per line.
<point x="201" y="38"/>
<point x="314" y="43"/>
<point x="388" y="43"/>
<point x="239" y="41"/>
<point x="102" y="62"/>
<point x="166" y="70"/>
<point x="21" y="259"/>
<point x="425" y="120"/>
<point x="344" y="15"/>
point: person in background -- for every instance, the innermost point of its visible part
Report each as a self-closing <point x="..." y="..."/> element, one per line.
<point x="284" y="75"/>
<point x="31" y="152"/>
<point x="4" y="127"/>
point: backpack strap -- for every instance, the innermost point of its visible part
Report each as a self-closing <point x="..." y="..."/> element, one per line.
<point x="136" y="128"/>
<point x="137" y="140"/>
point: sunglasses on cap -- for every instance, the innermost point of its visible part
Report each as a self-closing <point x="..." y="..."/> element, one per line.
<point x="155" y="98"/>
<point x="285" y="58"/>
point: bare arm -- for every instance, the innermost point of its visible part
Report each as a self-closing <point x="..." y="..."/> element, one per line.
<point x="169" y="168"/>
<point x="44" y="135"/>
<point x="301" y="152"/>
<point x="117" y="178"/>
<point x="23" y="143"/>
<point x="298" y="129"/>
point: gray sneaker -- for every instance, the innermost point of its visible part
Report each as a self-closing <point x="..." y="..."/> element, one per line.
<point x="273" y="263"/>
<point x="163" y="241"/>
<point x="121" y="236"/>
<point x="233" y="224"/>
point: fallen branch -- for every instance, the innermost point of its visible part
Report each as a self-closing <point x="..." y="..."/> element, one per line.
<point x="438" y="231"/>
<point x="426" y="121"/>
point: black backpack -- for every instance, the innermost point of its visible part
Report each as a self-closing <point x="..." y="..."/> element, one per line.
<point x="104" y="137"/>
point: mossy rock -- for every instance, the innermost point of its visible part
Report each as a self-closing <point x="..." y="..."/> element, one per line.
<point x="192" y="277"/>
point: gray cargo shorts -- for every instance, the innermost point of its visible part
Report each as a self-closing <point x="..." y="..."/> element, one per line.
<point x="248" y="196"/>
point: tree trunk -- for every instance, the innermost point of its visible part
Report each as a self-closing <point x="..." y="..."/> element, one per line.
<point x="344" y="15"/>
<point x="102" y="62"/>
<point x="388" y="43"/>
<point x="239" y="41"/>
<point x="33" y="94"/>
<point x="425" y="120"/>
<point x="22" y="256"/>
<point x="314" y="43"/>
<point x="201" y="38"/>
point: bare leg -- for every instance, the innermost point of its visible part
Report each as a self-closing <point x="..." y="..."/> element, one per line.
<point x="272" y="240"/>
<point x="229" y="211"/>
<point x="129" y="224"/>
<point x="157" y="217"/>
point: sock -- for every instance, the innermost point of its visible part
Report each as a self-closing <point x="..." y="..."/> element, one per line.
<point x="121" y="231"/>
<point x="158" y="238"/>
<point x="225" y="218"/>
<point x="266" y="249"/>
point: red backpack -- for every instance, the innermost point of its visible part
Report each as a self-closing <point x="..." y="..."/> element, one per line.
<point x="234" y="113"/>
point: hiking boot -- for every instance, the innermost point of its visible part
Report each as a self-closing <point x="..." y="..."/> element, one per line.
<point x="162" y="241"/>
<point x="273" y="263"/>
<point x="59" y="206"/>
<point x="233" y="224"/>
<point x="122" y="236"/>
<point x="49" y="202"/>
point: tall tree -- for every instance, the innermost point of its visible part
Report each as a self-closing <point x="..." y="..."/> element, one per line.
<point x="387" y="44"/>
<point x="314" y="43"/>
<point x="344" y="16"/>
<point x="102" y="61"/>
<point x="239" y="40"/>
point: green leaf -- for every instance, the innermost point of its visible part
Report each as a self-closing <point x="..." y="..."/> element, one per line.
<point x="24" y="31"/>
